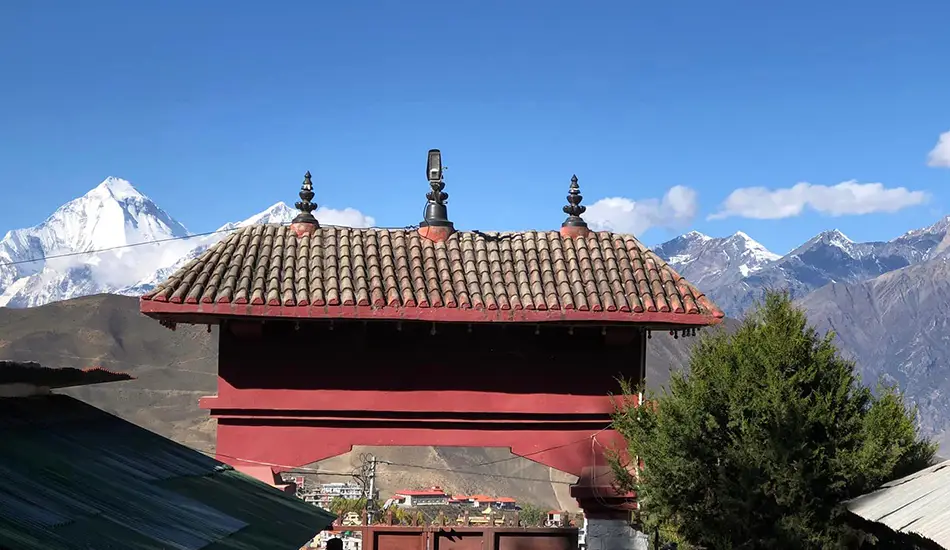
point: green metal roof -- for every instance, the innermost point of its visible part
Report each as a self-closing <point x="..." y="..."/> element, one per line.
<point x="73" y="476"/>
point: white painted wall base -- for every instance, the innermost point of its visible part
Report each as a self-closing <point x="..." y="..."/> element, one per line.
<point x="614" y="534"/>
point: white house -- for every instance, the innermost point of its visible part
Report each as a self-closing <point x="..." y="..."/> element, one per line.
<point x="433" y="496"/>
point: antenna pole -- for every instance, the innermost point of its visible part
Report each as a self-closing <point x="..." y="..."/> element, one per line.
<point x="371" y="496"/>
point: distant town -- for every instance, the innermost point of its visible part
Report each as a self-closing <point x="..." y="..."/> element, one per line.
<point x="348" y="500"/>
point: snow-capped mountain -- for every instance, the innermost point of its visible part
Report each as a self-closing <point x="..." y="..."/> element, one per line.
<point x="278" y="213"/>
<point x="711" y="262"/>
<point x="735" y="271"/>
<point x="116" y="240"/>
<point x="45" y="262"/>
<point x="53" y="261"/>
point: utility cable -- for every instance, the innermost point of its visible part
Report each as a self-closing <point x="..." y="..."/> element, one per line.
<point x="533" y="453"/>
<point x="464" y="472"/>
<point x="170" y="239"/>
<point x="316" y="471"/>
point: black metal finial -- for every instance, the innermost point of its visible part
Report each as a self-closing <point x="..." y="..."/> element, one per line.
<point x="437" y="195"/>
<point x="304" y="205"/>
<point x="574" y="208"/>
<point x="436" y="213"/>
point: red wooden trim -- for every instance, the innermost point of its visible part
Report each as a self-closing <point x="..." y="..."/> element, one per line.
<point x="157" y="310"/>
<point x="407" y="401"/>
<point x="381" y="422"/>
<point x="568" y="450"/>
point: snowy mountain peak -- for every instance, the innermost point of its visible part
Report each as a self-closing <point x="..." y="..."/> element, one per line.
<point x="834" y="238"/>
<point x="696" y="236"/>
<point x="117" y="188"/>
<point x="744" y="241"/>
<point x="114" y="239"/>
<point x="81" y="247"/>
<point x="702" y="259"/>
<point x="836" y="235"/>
<point x="277" y="213"/>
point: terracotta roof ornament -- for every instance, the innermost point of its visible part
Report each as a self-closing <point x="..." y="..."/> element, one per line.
<point x="305" y="222"/>
<point x="435" y="225"/>
<point x="574" y="225"/>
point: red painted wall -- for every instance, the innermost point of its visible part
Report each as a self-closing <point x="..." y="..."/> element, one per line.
<point x="292" y="394"/>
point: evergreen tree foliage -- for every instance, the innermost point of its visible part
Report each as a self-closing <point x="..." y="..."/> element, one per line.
<point x="532" y="516"/>
<point x="766" y="436"/>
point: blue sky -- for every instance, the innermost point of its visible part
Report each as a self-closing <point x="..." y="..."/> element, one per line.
<point x="216" y="110"/>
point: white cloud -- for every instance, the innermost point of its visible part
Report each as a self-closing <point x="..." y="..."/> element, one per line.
<point x="125" y="267"/>
<point x="621" y="215"/>
<point x="844" y="199"/>
<point x="348" y="217"/>
<point x="939" y="156"/>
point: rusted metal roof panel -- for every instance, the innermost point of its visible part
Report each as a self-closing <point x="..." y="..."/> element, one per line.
<point x="73" y="476"/>
<point x="918" y="503"/>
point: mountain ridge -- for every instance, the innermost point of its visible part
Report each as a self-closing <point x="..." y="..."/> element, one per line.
<point x="896" y="327"/>
<point x="735" y="271"/>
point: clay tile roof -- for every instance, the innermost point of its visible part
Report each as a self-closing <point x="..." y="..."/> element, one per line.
<point x="532" y="276"/>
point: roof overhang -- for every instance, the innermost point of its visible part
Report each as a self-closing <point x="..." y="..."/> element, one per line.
<point x="214" y="313"/>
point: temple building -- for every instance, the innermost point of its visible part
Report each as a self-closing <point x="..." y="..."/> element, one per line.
<point x="332" y="337"/>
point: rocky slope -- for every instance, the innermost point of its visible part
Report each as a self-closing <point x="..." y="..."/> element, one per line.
<point x="736" y="271"/>
<point x="897" y="329"/>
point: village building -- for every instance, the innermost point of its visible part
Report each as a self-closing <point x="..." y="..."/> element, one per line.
<point x="481" y="501"/>
<point x="434" y="496"/>
<point x="555" y="517"/>
<point x="322" y="495"/>
<point x="74" y="476"/>
<point x="332" y="337"/>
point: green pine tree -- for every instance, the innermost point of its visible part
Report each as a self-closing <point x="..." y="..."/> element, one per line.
<point x="759" y="445"/>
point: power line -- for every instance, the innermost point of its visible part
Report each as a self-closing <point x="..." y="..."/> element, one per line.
<point x="111" y="248"/>
<point x="568" y="444"/>
<point x="165" y="240"/>
<point x="464" y="472"/>
<point x="306" y="470"/>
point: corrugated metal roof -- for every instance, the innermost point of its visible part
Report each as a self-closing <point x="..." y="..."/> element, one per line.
<point x="72" y="476"/>
<point x="918" y="503"/>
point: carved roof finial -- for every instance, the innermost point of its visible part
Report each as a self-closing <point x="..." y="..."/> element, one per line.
<point x="304" y="205"/>
<point x="574" y="208"/>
